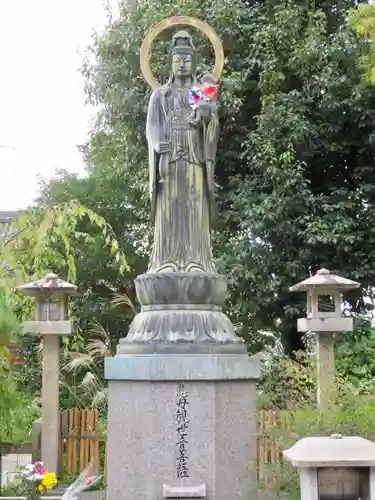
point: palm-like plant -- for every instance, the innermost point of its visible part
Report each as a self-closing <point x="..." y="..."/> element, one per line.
<point x="123" y="300"/>
<point x="82" y="372"/>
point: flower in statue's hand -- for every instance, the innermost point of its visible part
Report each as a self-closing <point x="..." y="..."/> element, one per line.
<point x="210" y="87"/>
<point x="199" y="96"/>
<point x="195" y="96"/>
<point x="210" y="90"/>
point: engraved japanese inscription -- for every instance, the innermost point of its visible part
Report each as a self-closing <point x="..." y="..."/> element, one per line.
<point x="182" y="469"/>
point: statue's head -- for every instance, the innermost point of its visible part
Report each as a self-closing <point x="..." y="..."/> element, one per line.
<point x="182" y="56"/>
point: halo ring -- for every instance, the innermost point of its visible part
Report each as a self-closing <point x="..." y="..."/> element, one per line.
<point x="180" y="21"/>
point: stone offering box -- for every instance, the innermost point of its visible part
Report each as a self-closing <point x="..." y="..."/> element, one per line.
<point x="334" y="468"/>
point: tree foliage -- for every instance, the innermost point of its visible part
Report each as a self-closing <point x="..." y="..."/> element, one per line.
<point x="355" y="356"/>
<point x="17" y="409"/>
<point x="306" y="196"/>
<point x="295" y="191"/>
<point x="295" y="180"/>
<point x="288" y="384"/>
<point x="294" y="170"/>
<point x="9" y="324"/>
<point x="107" y="194"/>
<point x="362" y="20"/>
<point x="51" y="237"/>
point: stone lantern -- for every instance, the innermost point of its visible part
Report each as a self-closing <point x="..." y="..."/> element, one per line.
<point x="335" y="467"/>
<point x="324" y="317"/>
<point x="51" y="322"/>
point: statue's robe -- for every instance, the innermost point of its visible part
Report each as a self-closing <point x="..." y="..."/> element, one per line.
<point x="181" y="183"/>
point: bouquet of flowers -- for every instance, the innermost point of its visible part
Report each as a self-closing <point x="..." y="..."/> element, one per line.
<point x="85" y="480"/>
<point x="198" y="95"/>
<point x="207" y="92"/>
<point x="38" y="479"/>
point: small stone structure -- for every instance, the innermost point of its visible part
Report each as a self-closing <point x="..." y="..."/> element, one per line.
<point x="51" y="322"/>
<point x="335" y="467"/>
<point x="324" y="317"/>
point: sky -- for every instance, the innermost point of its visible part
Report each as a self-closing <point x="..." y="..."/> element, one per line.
<point x="42" y="110"/>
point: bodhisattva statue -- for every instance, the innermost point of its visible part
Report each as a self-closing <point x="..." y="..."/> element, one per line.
<point x="182" y="161"/>
<point x="181" y="294"/>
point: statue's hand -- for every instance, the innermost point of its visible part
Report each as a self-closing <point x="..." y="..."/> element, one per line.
<point x="205" y="110"/>
<point x="163" y="147"/>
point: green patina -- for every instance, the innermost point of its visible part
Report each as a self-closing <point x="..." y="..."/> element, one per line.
<point x="182" y="153"/>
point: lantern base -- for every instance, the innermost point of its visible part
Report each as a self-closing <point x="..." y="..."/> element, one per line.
<point x="325" y="324"/>
<point x="40" y="328"/>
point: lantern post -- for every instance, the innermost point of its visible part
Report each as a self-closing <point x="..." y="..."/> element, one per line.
<point x="51" y="322"/>
<point x="324" y="318"/>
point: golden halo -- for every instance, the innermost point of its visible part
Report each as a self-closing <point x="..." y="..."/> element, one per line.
<point x="180" y="21"/>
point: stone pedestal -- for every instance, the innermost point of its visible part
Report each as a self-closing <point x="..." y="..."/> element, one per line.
<point x="50" y="402"/>
<point x="180" y="308"/>
<point x="182" y="426"/>
<point x="181" y="407"/>
<point x="325" y="362"/>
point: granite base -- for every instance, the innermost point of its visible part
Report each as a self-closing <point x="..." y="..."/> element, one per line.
<point x="182" y="438"/>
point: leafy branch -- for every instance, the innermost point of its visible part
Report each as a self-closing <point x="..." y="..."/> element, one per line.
<point x="45" y="238"/>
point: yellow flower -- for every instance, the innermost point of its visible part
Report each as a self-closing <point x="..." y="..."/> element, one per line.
<point x="49" y="480"/>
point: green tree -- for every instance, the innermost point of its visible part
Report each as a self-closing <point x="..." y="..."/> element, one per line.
<point x="52" y="237"/>
<point x="115" y="196"/>
<point x="9" y="324"/>
<point x="17" y="409"/>
<point x="362" y="20"/>
<point x="294" y="171"/>
<point x="355" y="356"/>
<point x="305" y="199"/>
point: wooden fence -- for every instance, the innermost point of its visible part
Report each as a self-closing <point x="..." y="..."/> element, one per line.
<point x="81" y="442"/>
<point x="274" y="435"/>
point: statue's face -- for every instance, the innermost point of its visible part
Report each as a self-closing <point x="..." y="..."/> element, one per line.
<point x="182" y="65"/>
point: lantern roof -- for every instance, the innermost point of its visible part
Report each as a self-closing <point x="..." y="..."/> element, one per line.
<point x="324" y="280"/>
<point x="6" y="219"/>
<point x="333" y="451"/>
<point x="51" y="283"/>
